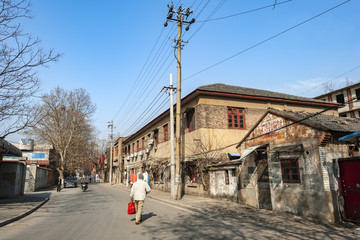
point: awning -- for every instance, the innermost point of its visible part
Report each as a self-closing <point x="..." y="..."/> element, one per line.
<point x="233" y="156"/>
<point x="249" y="150"/>
<point x="354" y="137"/>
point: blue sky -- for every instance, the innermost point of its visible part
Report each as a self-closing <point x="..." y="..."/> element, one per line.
<point x="120" y="53"/>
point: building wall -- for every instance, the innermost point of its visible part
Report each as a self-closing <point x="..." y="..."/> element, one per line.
<point x="352" y="106"/>
<point x="317" y="193"/>
<point x="211" y="130"/>
<point x="12" y="175"/>
<point x="220" y="188"/>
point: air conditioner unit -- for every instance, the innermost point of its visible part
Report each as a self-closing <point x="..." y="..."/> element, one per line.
<point x="147" y="151"/>
<point x="141" y="153"/>
<point x="132" y="155"/>
<point x="135" y="154"/>
<point x="128" y="158"/>
<point x="151" y="141"/>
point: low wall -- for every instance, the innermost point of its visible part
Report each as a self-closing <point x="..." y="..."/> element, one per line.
<point x="39" y="177"/>
<point x="12" y="175"/>
<point x="44" y="178"/>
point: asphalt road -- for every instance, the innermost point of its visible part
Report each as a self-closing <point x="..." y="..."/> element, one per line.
<point x="101" y="213"/>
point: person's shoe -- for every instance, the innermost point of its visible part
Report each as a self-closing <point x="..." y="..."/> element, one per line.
<point x="137" y="222"/>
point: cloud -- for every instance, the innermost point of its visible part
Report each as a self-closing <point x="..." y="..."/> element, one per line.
<point x="311" y="87"/>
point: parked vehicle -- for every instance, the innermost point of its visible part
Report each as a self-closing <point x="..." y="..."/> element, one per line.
<point x="84" y="186"/>
<point x="70" y="182"/>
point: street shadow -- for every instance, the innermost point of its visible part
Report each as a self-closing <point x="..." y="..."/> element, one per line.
<point x="147" y="216"/>
<point x="245" y="223"/>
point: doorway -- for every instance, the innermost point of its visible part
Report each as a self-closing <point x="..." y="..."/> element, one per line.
<point x="350" y="187"/>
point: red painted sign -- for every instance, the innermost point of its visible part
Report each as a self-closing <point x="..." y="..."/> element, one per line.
<point x="272" y="125"/>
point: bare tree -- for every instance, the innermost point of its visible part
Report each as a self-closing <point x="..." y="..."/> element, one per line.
<point x="206" y="152"/>
<point x="64" y="122"/>
<point x="328" y="86"/>
<point x="20" y="55"/>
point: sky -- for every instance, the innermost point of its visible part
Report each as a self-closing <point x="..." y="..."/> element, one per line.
<point x="122" y="55"/>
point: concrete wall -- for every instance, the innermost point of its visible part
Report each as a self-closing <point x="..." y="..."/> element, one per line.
<point x="39" y="177"/>
<point x="12" y="175"/>
<point x="218" y="186"/>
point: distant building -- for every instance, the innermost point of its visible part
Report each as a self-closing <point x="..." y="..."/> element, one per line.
<point x="40" y="154"/>
<point x="348" y="96"/>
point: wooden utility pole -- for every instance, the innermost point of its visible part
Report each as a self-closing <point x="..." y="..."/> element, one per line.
<point x="181" y="17"/>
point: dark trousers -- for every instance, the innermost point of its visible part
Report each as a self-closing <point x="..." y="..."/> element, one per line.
<point x="59" y="188"/>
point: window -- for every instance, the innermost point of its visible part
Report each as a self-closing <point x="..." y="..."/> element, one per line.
<point x="166" y="132"/>
<point x="290" y="171"/>
<point x="236" y="118"/>
<point x="133" y="147"/>
<point x="357" y="92"/>
<point x="137" y="145"/>
<point x="226" y="177"/>
<point x="340" y="98"/>
<point x="143" y="143"/>
<point x="156" y="136"/>
<point x="192" y="174"/>
<point x="191" y="120"/>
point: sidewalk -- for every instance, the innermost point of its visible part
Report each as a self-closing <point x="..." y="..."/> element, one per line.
<point x="13" y="209"/>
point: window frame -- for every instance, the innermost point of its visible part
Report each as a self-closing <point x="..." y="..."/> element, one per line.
<point x="142" y="143"/>
<point x="166" y="132"/>
<point x="156" y="136"/>
<point x="357" y="93"/>
<point x="290" y="172"/>
<point x="239" y="113"/>
<point x="341" y="95"/>
<point x="190" y="117"/>
<point x="137" y="146"/>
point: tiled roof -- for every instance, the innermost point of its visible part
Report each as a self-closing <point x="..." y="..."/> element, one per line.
<point x="223" y="88"/>
<point x="326" y="122"/>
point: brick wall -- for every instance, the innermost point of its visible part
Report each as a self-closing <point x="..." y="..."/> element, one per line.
<point x="215" y="117"/>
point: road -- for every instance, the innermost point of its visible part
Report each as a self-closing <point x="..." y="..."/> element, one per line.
<point x="101" y="213"/>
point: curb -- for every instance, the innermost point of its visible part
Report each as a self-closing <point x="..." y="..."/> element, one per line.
<point x="24" y="214"/>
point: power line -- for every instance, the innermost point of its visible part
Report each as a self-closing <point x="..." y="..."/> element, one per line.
<point x="245" y="12"/>
<point x="332" y="79"/>
<point x="147" y="109"/>
<point x="266" y="40"/>
<point x="211" y="14"/>
<point x="139" y="78"/>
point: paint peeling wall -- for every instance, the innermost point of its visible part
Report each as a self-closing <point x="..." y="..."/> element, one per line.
<point x="316" y="195"/>
<point x="219" y="187"/>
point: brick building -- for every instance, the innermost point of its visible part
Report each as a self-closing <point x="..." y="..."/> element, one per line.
<point x="348" y="96"/>
<point x="214" y="117"/>
<point x="290" y="162"/>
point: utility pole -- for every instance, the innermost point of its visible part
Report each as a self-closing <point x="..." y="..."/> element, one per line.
<point x="181" y="16"/>
<point x="172" y="143"/>
<point x="111" y="151"/>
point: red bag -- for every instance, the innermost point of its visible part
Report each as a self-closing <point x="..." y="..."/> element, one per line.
<point x="131" y="208"/>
